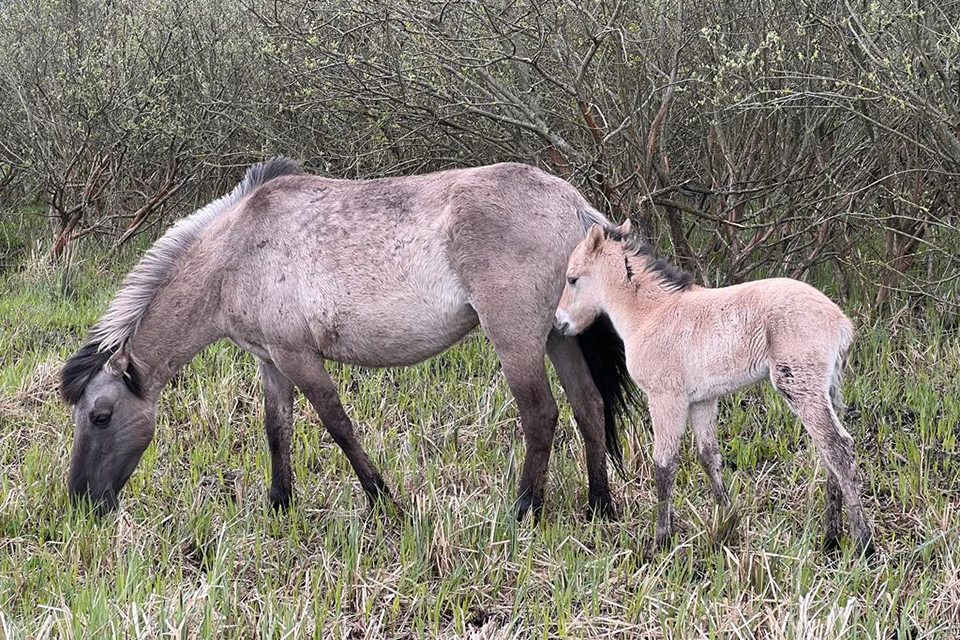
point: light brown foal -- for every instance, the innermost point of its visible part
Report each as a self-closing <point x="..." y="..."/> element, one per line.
<point x="688" y="345"/>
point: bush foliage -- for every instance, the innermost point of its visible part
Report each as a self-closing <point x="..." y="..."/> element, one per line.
<point x="747" y="138"/>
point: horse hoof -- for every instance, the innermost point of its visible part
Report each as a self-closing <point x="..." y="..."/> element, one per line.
<point x="602" y="506"/>
<point x="388" y="508"/>
<point x="526" y="503"/>
<point x="831" y="545"/>
<point x="279" y="500"/>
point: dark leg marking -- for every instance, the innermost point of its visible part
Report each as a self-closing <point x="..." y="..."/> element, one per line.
<point x="663" y="477"/>
<point x="278" y="422"/>
<point x="587" y="407"/>
<point x="833" y="514"/>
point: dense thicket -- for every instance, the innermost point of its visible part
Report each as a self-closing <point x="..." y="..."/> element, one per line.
<point x="747" y="138"/>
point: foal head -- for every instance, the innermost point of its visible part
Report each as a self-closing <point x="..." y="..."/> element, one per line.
<point x="612" y="255"/>
<point x="114" y="423"/>
<point x="591" y="261"/>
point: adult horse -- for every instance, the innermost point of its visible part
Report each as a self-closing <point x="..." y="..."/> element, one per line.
<point x="300" y="269"/>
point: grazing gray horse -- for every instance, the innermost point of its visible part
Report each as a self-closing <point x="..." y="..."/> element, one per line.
<point x="299" y="269"/>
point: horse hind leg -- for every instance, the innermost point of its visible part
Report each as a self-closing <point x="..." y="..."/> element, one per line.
<point x="278" y="423"/>
<point x="520" y="341"/>
<point x="307" y="371"/>
<point x="809" y="396"/>
<point x="587" y="404"/>
<point x="527" y="378"/>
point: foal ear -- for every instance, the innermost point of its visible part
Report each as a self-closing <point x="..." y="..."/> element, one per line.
<point x="625" y="228"/>
<point x="594" y="238"/>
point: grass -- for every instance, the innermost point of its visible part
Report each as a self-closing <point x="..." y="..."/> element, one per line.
<point x="194" y="551"/>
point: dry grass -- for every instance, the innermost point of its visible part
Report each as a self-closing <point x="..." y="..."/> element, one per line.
<point x="195" y="553"/>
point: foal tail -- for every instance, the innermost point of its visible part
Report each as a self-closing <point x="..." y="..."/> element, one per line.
<point x="836" y="377"/>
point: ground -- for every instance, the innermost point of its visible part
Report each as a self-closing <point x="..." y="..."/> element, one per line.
<point x="195" y="552"/>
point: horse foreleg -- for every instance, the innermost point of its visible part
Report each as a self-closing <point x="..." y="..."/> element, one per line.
<point x="310" y="375"/>
<point x="278" y="421"/>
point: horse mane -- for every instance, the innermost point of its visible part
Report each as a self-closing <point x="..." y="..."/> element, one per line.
<point x="152" y="272"/>
<point x="85" y="364"/>
<point x="669" y="276"/>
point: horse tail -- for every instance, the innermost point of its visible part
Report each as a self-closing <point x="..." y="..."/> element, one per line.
<point x="589" y="216"/>
<point x="607" y="361"/>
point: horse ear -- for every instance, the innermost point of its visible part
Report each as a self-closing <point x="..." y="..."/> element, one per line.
<point x="120" y="359"/>
<point x="594" y="238"/>
<point x="625" y="228"/>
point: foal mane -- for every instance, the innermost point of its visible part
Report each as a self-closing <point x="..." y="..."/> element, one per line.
<point x="152" y="272"/>
<point x="669" y="276"/>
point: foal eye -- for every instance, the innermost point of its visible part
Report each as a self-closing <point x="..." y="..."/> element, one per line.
<point x="101" y="420"/>
<point x="572" y="280"/>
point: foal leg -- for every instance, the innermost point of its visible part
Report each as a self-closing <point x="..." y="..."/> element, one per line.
<point x="310" y="375"/>
<point x="278" y="421"/>
<point x="836" y="449"/>
<point x="703" y="421"/>
<point x="703" y="417"/>
<point x="587" y="406"/>
<point x="668" y="413"/>
<point x="807" y="398"/>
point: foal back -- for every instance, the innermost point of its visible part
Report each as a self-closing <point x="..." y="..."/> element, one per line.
<point x="705" y="343"/>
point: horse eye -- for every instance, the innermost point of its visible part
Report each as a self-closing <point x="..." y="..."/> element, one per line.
<point x="101" y="420"/>
<point x="572" y="280"/>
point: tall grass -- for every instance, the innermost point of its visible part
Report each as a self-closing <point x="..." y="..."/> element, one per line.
<point x="194" y="551"/>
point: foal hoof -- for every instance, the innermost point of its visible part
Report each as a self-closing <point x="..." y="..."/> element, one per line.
<point x="601" y="505"/>
<point x="865" y="547"/>
<point x="663" y="540"/>
<point x="726" y="526"/>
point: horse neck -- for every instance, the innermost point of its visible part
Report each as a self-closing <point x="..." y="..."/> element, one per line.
<point x="628" y="301"/>
<point x="181" y="321"/>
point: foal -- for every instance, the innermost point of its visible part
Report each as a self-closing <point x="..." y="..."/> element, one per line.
<point x="688" y="345"/>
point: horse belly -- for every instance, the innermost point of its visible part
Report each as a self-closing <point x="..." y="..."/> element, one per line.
<point x="405" y="322"/>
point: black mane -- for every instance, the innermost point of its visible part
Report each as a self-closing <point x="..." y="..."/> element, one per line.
<point x="85" y="364"/>
<point x="673" y="278"/>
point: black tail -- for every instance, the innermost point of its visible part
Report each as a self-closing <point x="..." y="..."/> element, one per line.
<point x="603" y="350"/>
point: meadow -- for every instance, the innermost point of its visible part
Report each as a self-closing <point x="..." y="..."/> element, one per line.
<point x="195" y="552"/>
